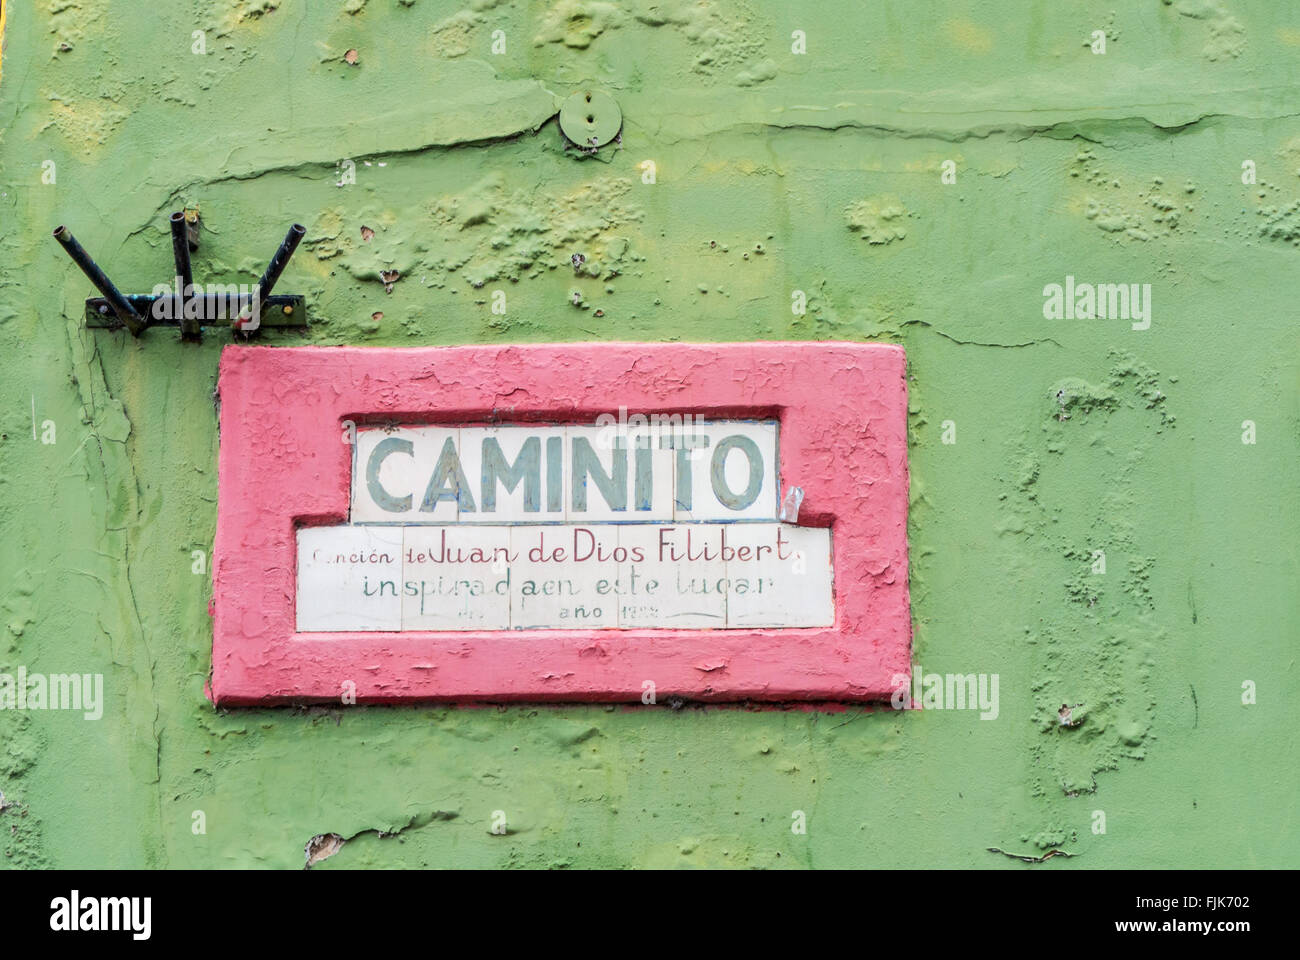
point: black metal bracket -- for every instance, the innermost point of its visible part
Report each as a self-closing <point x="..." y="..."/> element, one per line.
<point x="279" y="311"/>
<point x="244" y="310"/>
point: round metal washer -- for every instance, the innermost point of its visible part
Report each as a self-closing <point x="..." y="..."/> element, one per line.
<point x="590" y="118"/>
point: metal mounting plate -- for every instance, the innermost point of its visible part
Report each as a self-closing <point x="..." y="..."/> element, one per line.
<point x="100" y="315"/>
<point x="590" y="118"/>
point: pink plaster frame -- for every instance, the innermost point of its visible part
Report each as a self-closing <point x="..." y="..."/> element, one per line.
<point x="843" y="438"/>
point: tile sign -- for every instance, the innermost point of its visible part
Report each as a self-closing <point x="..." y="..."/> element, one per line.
<point x="589" y="522"/>
<point x="667" y="525"/>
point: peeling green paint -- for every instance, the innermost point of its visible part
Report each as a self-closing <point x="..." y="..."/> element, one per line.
<point x="773" y="173"/>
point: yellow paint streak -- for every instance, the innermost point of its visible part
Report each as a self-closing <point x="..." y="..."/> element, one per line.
<point x="969" y="36"/>
<point x="85" y="124"/>
<point x="3" y="12"/>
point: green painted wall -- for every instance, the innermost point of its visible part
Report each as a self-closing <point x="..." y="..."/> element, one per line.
<point x="775" y="172"/>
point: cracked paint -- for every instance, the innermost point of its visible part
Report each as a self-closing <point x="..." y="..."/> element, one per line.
<point x="1071" y="436"/>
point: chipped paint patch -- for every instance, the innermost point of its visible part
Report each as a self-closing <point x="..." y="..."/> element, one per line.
<point x="322" y="847"/>
<point x="1226" y="37"/>
<point x="503" y="233"/>
<point x="877" y="220"/>
<point x="1116" y="206"/>
<point x="85" y="123"/>
<point x="576" y="23"/>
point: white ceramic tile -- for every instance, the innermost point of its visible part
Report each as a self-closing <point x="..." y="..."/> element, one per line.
<point x="549" y="588"/>
<point x="779" y="575"/>
<point x="456" y="578"/>
<point x="650" y="497"/>
<point x="579" y="576"/>
<point x="513" y="506"/>
<point x="402" y="474"/>
<point x="618" y="455"/>
<point x="629" y="591"/>
<point x="678" y="586"/>
<point x="727" y="444"/>
<point x="349" y="578"/>
<point x="650" y="469"/>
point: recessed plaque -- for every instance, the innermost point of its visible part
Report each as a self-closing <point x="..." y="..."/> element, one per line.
<point x="561" y="522"/>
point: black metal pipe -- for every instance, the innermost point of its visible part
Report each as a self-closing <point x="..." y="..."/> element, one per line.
<point x="125" y="312"/>
<point x="282" y="255"/>
<point x="181" y="254"/>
